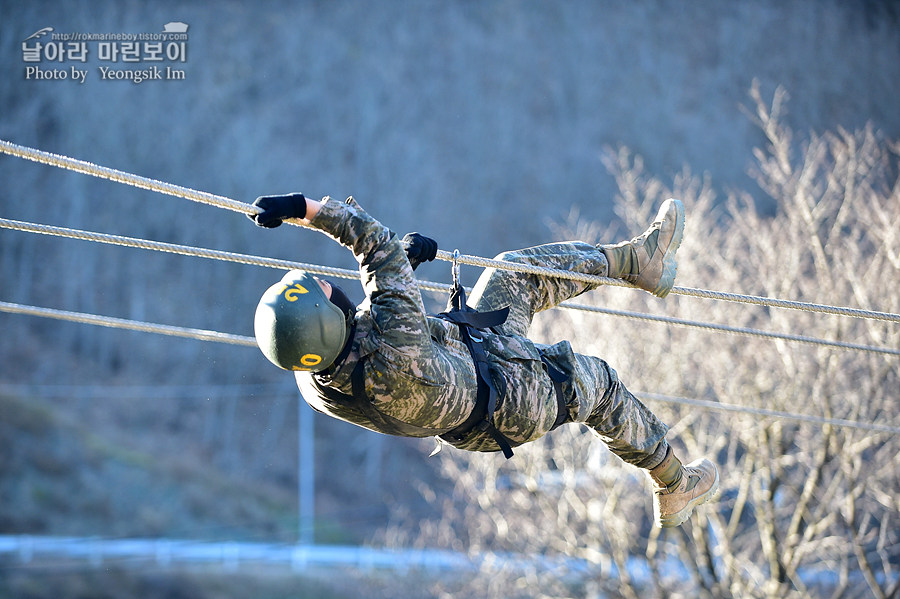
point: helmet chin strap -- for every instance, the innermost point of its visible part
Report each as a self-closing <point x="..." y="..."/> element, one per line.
<point x="340" y="299"/>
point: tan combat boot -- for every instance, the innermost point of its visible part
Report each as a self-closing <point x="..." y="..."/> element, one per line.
<point x="648" y="261"/>
<point x="680" y="488"/>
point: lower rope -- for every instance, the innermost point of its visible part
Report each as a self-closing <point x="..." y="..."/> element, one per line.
<point x="822" y="420"/>
<point x="204" y="335"/>
<point x="131" y="325"/>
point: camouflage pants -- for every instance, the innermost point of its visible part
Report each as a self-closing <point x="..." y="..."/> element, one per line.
<point x="594" y="395"/>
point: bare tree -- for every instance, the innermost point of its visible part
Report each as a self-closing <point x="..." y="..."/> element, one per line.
<point x="805" y="510"/>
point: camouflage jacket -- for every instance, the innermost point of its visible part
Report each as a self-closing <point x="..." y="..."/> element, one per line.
<point x="417" y="369"/>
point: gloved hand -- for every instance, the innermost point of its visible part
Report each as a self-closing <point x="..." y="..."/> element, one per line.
<point x="419" y="248"/>
<point x="277" y="208"/>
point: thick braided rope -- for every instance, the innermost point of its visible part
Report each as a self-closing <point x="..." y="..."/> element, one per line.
<point x="185" y="250"/>
<point x="821" y="420"/>
<point x="688" y="291"/>
<point x="204" y="335"/>
<point x="87" y="168"/>
<point x="788" y="304"/>
<point x="131" y="325"/>
<point x="735" y="330"/>
<point x="427" y="285"/>
<point x="118" y="176"/>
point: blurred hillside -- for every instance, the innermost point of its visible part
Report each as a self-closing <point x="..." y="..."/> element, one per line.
<point x="451" y="118"/>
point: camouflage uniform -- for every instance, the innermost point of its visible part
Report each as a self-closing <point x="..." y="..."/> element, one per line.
<point x="419" y="371"/>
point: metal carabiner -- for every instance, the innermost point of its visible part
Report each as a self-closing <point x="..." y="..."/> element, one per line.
<point x="455" y="268"/>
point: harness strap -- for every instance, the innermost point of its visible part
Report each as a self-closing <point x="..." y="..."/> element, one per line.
<point x="477" y="320"/>
<point x="558" y="377"/>
<point x="487" y="399"/>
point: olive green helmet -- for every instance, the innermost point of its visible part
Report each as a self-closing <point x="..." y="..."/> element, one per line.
<point x="297" y="327"/>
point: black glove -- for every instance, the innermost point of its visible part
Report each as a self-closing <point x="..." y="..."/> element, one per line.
<point x="419" y="248"/>
<point x="277" y="208"/>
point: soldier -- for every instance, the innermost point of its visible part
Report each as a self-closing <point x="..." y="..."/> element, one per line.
<point x="469" y="376"/>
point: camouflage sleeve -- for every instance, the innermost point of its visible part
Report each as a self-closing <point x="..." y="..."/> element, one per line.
<point x="386" y="275"/>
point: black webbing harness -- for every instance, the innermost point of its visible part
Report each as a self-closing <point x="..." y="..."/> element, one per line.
<point x="488" y="399"/>
<point x="471" y="323"/>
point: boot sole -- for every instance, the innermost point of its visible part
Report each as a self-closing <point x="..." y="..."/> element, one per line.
<point x="670" y="265"/>
<point x="681" y="516"/>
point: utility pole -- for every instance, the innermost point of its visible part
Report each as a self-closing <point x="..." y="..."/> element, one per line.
<point x="306" y="473"/>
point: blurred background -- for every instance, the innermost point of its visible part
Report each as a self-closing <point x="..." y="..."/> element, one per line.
<point x="486" y="125"/>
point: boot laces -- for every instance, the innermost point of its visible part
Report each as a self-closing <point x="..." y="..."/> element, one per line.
<point x="648" y="240"/>
<point x="693" y="481"/>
